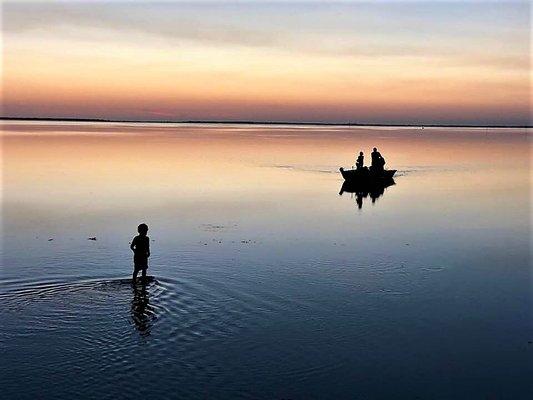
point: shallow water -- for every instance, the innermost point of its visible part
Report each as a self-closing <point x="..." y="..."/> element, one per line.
<point x="267" y="283"/>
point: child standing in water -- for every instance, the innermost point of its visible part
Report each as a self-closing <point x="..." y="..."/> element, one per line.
<point x="141" y="251"/>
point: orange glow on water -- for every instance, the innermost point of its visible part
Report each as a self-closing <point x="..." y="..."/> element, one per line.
<point x="122" y="164"/>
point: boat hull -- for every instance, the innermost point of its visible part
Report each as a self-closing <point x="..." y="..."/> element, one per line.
<point x="367" y="174"/>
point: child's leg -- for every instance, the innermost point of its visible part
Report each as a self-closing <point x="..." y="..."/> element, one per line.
<point x="144" y="274"/>
<point x="135" y="272"/>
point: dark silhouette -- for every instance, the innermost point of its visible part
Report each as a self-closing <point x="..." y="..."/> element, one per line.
<point x="141" y="311"/>
<point x="360" y="163"/>
<point x="363" y="189"/>
<point x="359" y="199"/>
<point x="376" y="172"/>
<point x="141" y="251"/>
<point x="378" y="162"/>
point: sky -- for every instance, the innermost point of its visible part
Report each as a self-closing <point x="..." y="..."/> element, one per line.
<point x="361" y="62"/>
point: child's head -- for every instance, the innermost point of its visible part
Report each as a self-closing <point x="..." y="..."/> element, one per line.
<point x="142" y="229"/>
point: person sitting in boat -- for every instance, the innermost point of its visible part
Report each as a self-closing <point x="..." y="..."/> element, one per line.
<point x="378" y="162"/>
<point x="382" y="163"/>
<point x="360" y="161"/>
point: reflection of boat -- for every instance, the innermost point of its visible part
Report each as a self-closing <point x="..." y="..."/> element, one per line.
<point x="367" y="174"/>
<point x="362" y="188"/>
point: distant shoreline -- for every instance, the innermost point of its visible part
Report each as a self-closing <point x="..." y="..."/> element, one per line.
<point x="288" y="123"/>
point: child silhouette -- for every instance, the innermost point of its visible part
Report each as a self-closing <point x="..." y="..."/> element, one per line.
<point x="141" y="251"/>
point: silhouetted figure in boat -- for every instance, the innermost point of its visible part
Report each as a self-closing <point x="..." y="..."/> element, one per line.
<point x="141" y="251"/>
<point x="360" y="161"/>
<point x="378" y="162"/>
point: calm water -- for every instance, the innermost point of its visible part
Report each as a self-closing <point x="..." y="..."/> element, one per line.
<point x="268" y="283"/>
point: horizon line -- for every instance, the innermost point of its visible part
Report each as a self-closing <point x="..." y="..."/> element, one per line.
<point x="251" y="122"/>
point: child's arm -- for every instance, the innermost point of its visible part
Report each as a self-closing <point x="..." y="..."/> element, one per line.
<point x="132" y="246"/>
<point x="147" y="247"/>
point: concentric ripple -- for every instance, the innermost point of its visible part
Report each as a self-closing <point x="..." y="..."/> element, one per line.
<point x="96" y="334"/>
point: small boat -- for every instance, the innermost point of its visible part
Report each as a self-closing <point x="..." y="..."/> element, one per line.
<point x="367" y="174"/>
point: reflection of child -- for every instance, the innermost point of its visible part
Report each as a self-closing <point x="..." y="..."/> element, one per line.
<point x="141" y="251"/>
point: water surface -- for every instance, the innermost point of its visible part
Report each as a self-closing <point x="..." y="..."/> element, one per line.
<point x="268" y="284"/>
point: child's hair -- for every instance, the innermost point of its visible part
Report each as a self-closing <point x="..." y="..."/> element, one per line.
<point x="142" y="229"/>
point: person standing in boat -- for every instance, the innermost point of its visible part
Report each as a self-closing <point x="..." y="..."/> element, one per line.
<point x="378" y="162"/>
<point x="360" y="161"/>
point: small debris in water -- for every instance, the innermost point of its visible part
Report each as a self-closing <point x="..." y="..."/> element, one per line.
<point x="91" y="238"/>
<point x="50" y="239"/>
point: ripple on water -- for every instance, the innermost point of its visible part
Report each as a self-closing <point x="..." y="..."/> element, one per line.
<point x="96" y="334"/>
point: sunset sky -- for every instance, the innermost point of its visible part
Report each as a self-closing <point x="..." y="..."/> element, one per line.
<point x="380" y="62"/>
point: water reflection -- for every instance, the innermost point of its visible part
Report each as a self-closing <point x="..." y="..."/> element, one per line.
<point x="363" y="190"/>
<point x="281" y="313"/>
<point x="142" y="313"/>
